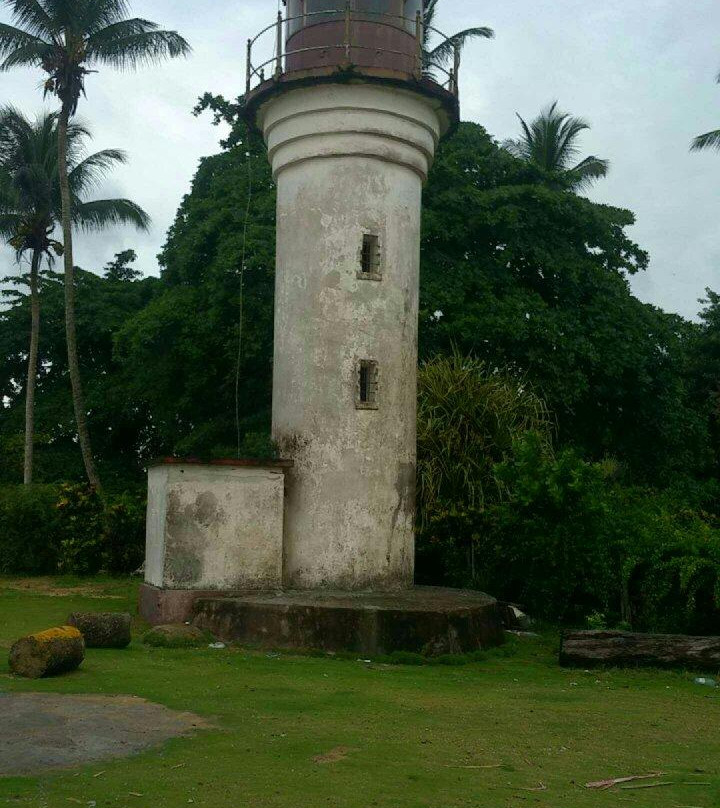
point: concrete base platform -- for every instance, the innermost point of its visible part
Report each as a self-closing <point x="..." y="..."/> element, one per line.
<point x="162" y="607"/>
<point x="423" y="620"/>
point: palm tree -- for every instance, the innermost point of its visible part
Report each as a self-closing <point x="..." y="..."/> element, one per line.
<point x="67" y="39"/>
<point x="31" y="210"/>
<point x="710" y="140"/>
<point x="441" y="54"/>
<point x="550" y="143"/>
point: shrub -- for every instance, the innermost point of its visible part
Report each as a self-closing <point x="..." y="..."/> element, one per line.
<point x="81" y="529"/>
<point x="29" y="529"/>
<point x="469" y="418"/>
<point x="573" y="545"/>
<point x="70" y="529"/>
<point x="545" y="545"/>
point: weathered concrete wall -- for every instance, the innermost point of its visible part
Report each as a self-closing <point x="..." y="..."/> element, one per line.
<point x="214" y="527"/>
<point x="349" y="160"/>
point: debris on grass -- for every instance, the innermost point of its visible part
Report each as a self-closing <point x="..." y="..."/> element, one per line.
<point x="603" y="784"/>
<point x="333" y="756"/>
<point x="487" y="766"/>
<point x="539" y="787"/>
<point x="646" y="785"/>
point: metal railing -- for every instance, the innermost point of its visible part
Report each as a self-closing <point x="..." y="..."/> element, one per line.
<point x="423" y="65"/>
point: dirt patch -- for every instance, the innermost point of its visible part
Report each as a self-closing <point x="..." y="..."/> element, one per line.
<point x="49" y="588"/>
<point x="333" y="756"/>
<point x="52" y="731"/>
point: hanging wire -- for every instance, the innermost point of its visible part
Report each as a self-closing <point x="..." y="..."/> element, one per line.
<point x="238" y="365"/>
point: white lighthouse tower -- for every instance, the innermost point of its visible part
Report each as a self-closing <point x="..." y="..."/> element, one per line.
<point x="351" y="125"/>
<point x="317" y="550"/>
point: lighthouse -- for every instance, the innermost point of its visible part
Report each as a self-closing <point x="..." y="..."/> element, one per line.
<point x="351" y="119"/>
<point x="316" y="550"/>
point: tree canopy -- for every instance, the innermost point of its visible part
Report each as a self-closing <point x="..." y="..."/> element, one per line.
<point x="522" y="275"/>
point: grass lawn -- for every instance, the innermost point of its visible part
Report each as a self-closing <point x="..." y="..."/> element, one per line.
<point x="308" y="732"/>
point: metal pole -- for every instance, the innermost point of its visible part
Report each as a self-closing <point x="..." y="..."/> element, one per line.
<point x="248" y="68"/>
<point x="348" y="34"/>
<point x="279" y="45"/>
<point x="418" y="45"/>
<point x="456" y="70"/>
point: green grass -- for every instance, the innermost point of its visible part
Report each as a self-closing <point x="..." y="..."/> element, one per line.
<point x="410" y="734"/>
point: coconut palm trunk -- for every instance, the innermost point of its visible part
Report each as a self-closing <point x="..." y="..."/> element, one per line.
<point x="32" y="368"/>
<point x="70" y="325"/>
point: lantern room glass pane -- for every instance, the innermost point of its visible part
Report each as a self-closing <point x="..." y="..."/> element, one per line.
<point x="303" y="13"/>
<point x="313" y="9"/>
<point x="410" y="13"/>
<point x="295" y="16"/>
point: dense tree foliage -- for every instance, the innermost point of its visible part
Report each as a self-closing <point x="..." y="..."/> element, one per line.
<point x="603" y="470"/>
<point x="68" y="40"/>
<point x="518" y="274"/>
<point x="536" y="279"/>
<point x="120" y="427"/>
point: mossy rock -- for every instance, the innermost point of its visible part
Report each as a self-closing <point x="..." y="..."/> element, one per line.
<point x="177" y="636"/>
<point x="48" y="653"/>
<point x="103" y="629"/>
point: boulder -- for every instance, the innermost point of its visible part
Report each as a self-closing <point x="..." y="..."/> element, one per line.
<point x="177" y="636"/>
<point x="103" y="629"/>
<point x="514" y="619"/>
<point x="57" y="650"/>
<point x="621" y="648"/>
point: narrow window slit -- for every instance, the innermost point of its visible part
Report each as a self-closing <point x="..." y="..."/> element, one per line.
<point x="367" y="389"/>
<point x="370" y="256"/>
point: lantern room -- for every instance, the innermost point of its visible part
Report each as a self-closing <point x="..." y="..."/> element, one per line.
<point x="375" y="40"/>
<point x="380" y="34"/>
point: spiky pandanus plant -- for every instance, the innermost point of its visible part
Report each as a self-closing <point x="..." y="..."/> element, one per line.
<point x="469" y="417"/>
<point x="31" y="211"/>
<point x="68" y="40"/>
<point x="710" y="140"/>
<point x="550" y="143"/>
<point x="443" y="54"/>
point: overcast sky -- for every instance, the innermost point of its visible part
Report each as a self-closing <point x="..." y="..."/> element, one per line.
<point x="641" y="71"/>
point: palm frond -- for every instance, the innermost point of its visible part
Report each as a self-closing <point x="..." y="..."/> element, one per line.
<point x="587" y="171"/>
<point x="550" y="142"/>
<point x="429" y="11"/>
<point x="111" y="34"/>
<point x="33" y="17"/>
<point x="100" y="213"/>
<point x="710" y="140"/>
<point x="136" y="49"/>
<point x="444" y="52"/>
<point x="90" y="172"/>
<point x="19" y="47"/>
<point x="104" y="13"/>
<point x="515" y="147"/>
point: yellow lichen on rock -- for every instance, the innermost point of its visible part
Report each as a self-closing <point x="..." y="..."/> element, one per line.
<point x="62" y="633"/>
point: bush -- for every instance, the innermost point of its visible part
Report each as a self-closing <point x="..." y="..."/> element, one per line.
<point x="29" y="529"/>
<point x="546" y="546"/>
<point x="470" y="416"/>
<point x="70" y="529"/>
<point x="571" y="544"/>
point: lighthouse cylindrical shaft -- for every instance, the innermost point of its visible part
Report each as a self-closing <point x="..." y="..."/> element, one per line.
<point x="349" y="161"/>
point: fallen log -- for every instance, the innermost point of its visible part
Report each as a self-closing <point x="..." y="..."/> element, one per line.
<point x="624" y="649"/>
<point x="103" y="629"/>
<point x="58" y="650"/>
